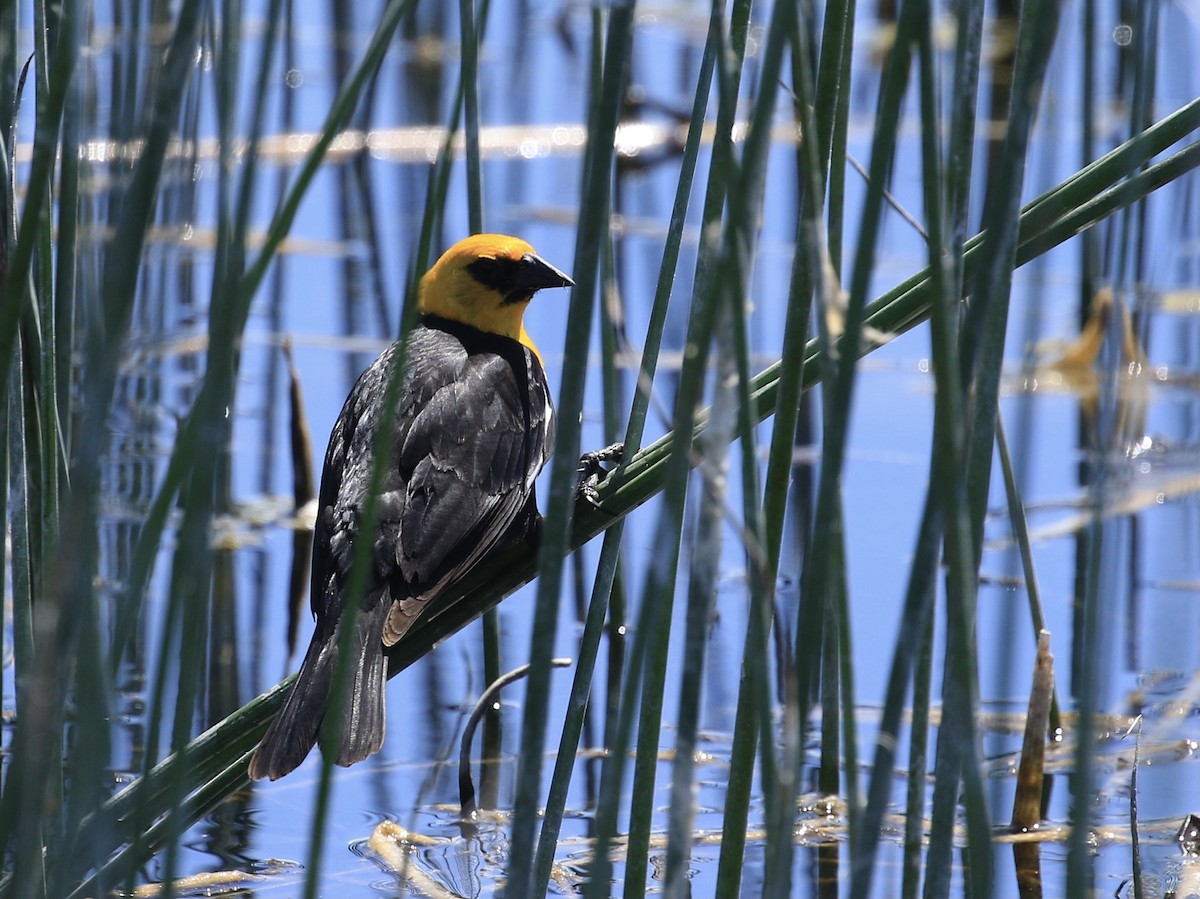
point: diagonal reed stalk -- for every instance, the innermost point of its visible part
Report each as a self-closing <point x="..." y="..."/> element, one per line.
<point x="1079" y="202"/>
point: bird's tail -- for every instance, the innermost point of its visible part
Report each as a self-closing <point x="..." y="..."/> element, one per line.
<point x="295" y="729"/>
<point x="363" y="722"/>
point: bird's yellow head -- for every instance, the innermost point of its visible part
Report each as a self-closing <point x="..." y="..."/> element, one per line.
<point x="486" y="281"/>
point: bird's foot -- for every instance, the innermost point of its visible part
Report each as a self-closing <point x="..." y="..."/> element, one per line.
<point x="592" y="471"/>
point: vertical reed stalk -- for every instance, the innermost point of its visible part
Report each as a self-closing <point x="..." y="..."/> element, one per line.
<point x="594" y="214"/>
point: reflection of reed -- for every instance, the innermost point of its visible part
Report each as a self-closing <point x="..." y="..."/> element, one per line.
<point x="222" y="696"/>
<point x="1002" y="59"/>
<point x="1078" y="366"/>
<point x="163" y="373"/>
<point x="302" y="494"/>
<point x="269" y="425"/>
<point x="1083" y="353"/>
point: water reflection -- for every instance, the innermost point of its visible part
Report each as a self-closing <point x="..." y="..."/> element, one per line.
<point x="336" y="294"/>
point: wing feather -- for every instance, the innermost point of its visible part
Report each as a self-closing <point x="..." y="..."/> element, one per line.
<point x="470" y="437"/>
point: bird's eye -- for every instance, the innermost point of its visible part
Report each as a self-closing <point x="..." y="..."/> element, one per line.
<point x="495" y="274"/>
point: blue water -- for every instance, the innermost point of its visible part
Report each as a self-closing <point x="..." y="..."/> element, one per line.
<point x="337" y="299"/>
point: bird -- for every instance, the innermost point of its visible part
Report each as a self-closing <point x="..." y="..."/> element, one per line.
<point x="472" y="428"/>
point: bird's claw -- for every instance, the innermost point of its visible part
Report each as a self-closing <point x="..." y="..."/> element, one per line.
<point x="592" y="471"/>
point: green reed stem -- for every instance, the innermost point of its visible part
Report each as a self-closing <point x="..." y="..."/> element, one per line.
<point x="598" y="604"/>
<point x="1063" y="212"/>
<point x="1020" y="528"/>
<point x="594" y="214"/>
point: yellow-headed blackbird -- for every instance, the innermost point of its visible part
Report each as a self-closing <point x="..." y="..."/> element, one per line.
<point x="473" y="427"/>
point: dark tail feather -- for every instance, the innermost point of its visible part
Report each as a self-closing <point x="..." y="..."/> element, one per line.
<point x="294" y="731"/>
<point x="363" y="710"/>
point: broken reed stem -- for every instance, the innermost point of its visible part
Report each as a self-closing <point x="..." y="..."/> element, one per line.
<point x="1027" y="804"/>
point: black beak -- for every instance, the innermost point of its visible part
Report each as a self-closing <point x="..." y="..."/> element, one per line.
<point x="535" y="273"/>
<point x="517" y="279"/>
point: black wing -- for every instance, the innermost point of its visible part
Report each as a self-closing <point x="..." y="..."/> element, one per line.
<point x="470" y="435"/>
<point x="473" y="429"/>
